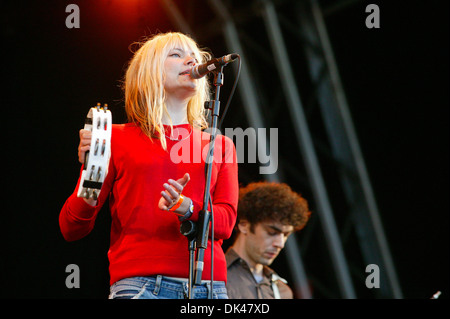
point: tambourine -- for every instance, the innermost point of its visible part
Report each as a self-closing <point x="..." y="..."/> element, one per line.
<point x="96" y="161"/>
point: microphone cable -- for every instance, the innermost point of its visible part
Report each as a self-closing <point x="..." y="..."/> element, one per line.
<point x="212" y="248"/>
<point x="231" y="93"/>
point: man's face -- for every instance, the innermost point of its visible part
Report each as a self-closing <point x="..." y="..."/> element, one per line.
<point x="266" y="241"/>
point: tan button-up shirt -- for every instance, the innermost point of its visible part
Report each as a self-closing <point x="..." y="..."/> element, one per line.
<point x="242" y="285"/>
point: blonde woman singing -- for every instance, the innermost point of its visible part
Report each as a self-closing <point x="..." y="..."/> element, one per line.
<point x="156" y="177"/>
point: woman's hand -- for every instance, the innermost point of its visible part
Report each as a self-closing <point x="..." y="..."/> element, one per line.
<point x="85" y="144"/>
<point x="83" y="147"/>
<point x="171" y="195"/>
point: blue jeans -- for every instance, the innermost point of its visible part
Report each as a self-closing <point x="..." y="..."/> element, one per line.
<point x="160" y="287"/>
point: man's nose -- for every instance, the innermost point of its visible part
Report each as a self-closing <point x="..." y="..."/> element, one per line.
<point x="279" y="241"/>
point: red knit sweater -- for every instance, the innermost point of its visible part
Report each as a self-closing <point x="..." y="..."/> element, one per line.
<point x="145" y="240"/>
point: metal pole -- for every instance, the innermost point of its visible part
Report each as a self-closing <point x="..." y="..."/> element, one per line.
<point x="249" y="97"/>
<point x="307" y="147"/>
<point x="354" y="150"/>
<point x="176" y="17"/>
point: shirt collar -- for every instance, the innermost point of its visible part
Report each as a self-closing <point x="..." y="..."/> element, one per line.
<point x="232" y="257"/>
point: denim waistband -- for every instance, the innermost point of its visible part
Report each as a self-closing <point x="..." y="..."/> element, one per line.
<point x="185" y="280"/>
<point x="158" y="279"/>
<point x="166" y="287"/>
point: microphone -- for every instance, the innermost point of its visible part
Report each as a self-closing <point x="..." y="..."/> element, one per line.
<point x="201" y="70"/>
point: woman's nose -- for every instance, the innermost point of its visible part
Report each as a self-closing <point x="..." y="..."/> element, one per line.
<point x="190" y="60"/>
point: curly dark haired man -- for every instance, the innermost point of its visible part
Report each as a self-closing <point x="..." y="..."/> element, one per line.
<point x="267" y="214"/>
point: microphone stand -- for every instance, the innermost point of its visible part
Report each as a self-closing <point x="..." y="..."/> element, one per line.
<point x="198" y="234"/>
<point x="189" y="229"/>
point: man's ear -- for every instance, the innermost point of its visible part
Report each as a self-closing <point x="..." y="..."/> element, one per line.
<point x="244" y="226"/>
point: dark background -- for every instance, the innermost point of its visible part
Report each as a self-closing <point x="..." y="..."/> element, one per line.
<point x="395" y="78"/>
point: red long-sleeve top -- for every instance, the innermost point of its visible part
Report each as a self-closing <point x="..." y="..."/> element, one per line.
<point x="145" y="240"/>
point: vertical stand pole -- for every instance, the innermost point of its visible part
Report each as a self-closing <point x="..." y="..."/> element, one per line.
<point x="200" y="235"/>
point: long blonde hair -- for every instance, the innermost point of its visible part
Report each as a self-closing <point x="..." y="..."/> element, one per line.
<point x="144" y="85"/>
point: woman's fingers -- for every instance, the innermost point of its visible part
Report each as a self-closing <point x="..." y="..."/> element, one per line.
<point x="184" y="180"/>
<point x="163" y="203"/>
<point x="85" y="144"/>
<point x="85" y="135"/>
<point x="172" y="192"/>
<point x="177" y="186"/>
<point x="167" y="197"/>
